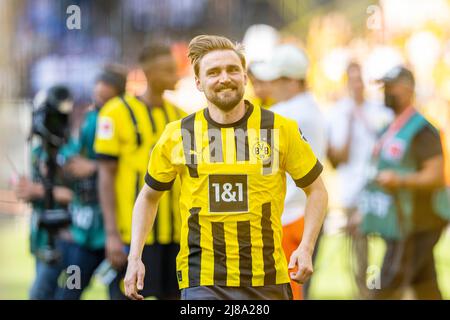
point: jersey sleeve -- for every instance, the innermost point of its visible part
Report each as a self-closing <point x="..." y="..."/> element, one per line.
<point x="107" y="142"/>
<point x="161" y="171"/>
<point x="300" y="161"/>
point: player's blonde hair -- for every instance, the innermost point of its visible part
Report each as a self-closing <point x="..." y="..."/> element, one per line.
<point x="203" y="44"/>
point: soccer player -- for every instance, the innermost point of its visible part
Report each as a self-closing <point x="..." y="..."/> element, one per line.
<point x="232" y="158"/>
<point x="128" y="128"/>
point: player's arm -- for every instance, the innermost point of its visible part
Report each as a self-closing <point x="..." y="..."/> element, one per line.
<point x="160" y="177"/>
<point x="316" y="206"/>
<point x="304" y="167"/>
<point x="115" y="252"/>
<point x="107" y="194"/>
<point x="144" y="214"/>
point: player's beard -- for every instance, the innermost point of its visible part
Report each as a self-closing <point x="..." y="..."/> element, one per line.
<point x="226" y="101"/>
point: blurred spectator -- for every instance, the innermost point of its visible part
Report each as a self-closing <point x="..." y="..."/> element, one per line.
<point x="87" y="221"/>
<point x="445" y="137"/>
<point x="353" y="125"/>
<point x="405" y="202"/>
<point x="262" y="90"/>
<point x="285" y="75"/>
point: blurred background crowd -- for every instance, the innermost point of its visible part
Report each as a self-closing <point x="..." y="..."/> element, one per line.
<point x="39" y="51"/>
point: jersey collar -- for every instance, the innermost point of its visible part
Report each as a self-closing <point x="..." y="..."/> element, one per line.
<point x="230" y="125"/>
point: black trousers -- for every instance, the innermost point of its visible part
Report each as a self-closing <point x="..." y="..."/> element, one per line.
<point x="160" y="275"/>
<point x="410" y="263"/>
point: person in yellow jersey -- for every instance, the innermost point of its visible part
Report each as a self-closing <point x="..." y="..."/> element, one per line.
<point x="128" y="128"/>
<point x="232" y="158"/>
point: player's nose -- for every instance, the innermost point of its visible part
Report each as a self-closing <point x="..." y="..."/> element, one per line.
<point x="224" y="77"/>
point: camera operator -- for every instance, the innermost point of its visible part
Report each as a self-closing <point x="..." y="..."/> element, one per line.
<point x="47" y="190"/>
<point x="87" y="228"/>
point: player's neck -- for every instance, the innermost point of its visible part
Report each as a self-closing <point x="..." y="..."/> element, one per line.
<point x="227" y="117"/>
<point x="152" y="98"/>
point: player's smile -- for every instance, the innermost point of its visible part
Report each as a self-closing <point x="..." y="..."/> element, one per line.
<point x="226" y="92"/>
<point x="227" y="88"/>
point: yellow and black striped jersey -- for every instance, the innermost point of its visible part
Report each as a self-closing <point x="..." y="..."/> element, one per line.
<point x="127" y="130"/>
<point x="233" y="184"/>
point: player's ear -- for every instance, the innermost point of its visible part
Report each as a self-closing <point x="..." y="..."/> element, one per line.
<point x="245" y="78"/>
<point x="198" y="84"/>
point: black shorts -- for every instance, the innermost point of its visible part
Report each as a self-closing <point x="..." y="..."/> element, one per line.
<point x="269" y="292"/>
<point x="160" y="274"/>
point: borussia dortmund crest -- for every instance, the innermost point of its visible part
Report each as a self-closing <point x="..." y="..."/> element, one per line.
<point x="262" y="150"/>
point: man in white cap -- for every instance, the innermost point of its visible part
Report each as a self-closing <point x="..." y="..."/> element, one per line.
<point x="286" y="71"/>
<point x="353" y="125"/>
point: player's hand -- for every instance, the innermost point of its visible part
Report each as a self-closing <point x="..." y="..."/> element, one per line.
<point x="134" y="279"/>
<point x="115" y="251"/>
<point x="301" y="265"/>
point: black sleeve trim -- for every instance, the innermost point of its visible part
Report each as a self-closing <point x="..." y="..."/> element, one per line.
<point x="157" y="185"/>
<point x="102" y="156"/>
<point x="311" y="176"/>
